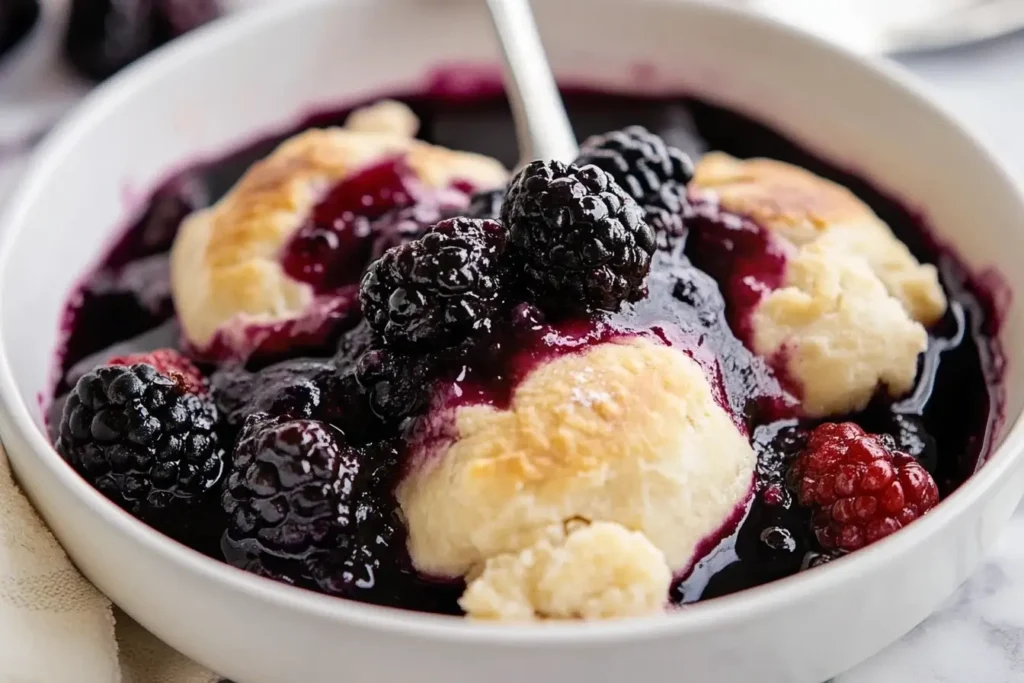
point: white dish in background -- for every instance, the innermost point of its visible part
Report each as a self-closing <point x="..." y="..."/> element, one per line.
<point x="883" y="26"/>
<point x="257" y="72"/>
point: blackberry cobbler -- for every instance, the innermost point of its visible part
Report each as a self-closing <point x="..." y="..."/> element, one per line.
<point x="385" y="370"/>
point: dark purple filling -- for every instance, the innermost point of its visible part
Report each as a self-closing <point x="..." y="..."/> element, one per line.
<point x="370" y="392"/>
<point x="332" y="248"/>
<point x="354" y="222"/>
<point x="742" y="256"/>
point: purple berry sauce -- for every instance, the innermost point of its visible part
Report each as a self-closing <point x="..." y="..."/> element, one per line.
<point x="338" y="372"/>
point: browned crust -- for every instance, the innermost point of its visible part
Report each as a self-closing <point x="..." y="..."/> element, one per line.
<point x="777" y="194"/>
<point x="225" y="261"/>
<point x="802" y="208"/>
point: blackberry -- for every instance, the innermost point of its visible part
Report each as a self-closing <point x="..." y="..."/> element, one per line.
<point x="579" y="240"/>
<point x="104" y="36"/>
<point x="401" y="226"/>
<point x="640" y="161"/>
<point x="377" y="567"/>
<point x="654" y="173"/>
<point x="395" y="385"/>
<point x="374" y="559"/>
<point x="434" y="291"/>
<point x="406" y="224"/>
<point x="147" y="441"/>
<point x="292" y="388"/>
<point x="17" y="18"/>
<point x="291" y="501"/>
<point x="668" y="215"/>
<point x="353" y="344"/>
<point x="170" y="364"/>
<point x="303" y="388"/>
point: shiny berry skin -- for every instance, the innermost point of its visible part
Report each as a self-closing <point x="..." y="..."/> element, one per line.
<point x="394" y="385"/>
<point x="302" y="388"/>
<point x="147" y="440"/>
<point x="401" y="226"/>
<point x="292" y="502"/>
<point x="168" y="363"/>
<point x="577" y="239"/>
<point x="859" y="490"/>
<point x="653" y="172"/>
<point x="435" y="291"/>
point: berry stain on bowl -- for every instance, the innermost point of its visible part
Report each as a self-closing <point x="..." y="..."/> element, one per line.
<point x="362" y="363"/>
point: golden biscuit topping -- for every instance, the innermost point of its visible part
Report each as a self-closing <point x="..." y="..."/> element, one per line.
<point x="623" y="432"/>
<point x="573" y="571"/>
<point x="849" y="317"/>
<point x="226" y="272"/>
<point x="839" y="332"/>
<point x="801" y="207"/>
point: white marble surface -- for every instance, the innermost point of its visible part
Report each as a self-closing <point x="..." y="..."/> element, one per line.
<point x="978" y="636"/>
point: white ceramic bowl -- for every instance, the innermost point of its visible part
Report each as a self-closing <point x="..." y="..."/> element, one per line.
<point x="254" y="73"/>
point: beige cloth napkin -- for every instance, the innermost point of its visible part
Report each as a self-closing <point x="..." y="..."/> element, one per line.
<point x="55" y="627"/>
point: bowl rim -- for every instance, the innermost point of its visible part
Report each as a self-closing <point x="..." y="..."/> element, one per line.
<point x="750" y="604"/>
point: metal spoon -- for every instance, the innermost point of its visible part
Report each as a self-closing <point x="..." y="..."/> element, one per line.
<point x="542" y="125"/>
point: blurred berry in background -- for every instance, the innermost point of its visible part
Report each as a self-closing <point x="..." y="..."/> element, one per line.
<point x="104" y="36"/>
<point x="17" y="17"/>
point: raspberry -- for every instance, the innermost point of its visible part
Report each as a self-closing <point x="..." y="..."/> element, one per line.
<point x="146" y="440"/>
<point x="654" y="173"/>
<point x="859" y="490"/>
<point x="174" y="18"/>
<point x="168" y="363"/>
<point x="579" y="239"/>
<point x="437" y="290"/>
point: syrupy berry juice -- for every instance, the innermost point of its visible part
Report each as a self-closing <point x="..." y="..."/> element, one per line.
<point x="947" y="422"/>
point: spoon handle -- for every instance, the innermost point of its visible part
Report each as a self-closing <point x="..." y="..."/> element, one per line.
<point x="542" y="126"/>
